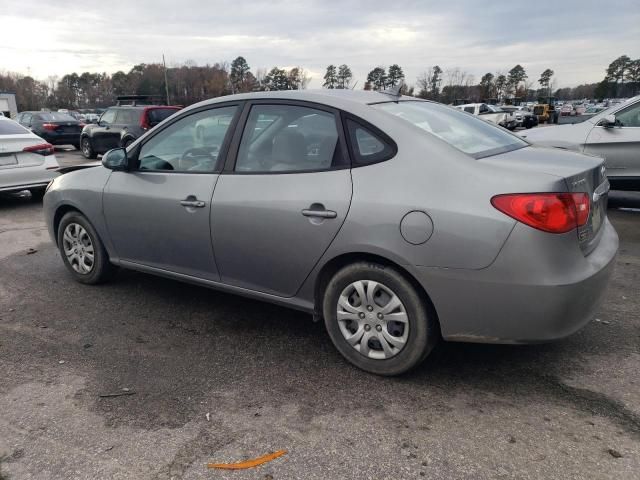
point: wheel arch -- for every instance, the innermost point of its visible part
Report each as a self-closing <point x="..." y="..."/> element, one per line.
<point x="332" y="266"/>
<point x="61" y="211"/>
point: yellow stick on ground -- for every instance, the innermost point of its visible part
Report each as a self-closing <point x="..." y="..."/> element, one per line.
<point x="248" y="463"/>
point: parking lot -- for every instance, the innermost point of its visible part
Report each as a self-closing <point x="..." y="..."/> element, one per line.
<point x="149" y="378"/>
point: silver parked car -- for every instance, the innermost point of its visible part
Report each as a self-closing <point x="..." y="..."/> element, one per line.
<point x="398" y="221"/>
<point x="27" y="162"/>
<point x="613" y="134"/>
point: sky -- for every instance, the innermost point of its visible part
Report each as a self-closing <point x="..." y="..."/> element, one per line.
<point x="576" y="39"/>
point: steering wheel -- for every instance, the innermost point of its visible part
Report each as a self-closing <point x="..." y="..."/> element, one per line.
<point x="192" y="156"/>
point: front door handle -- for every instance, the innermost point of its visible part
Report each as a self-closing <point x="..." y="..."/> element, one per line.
<point x="190" y="202"/>
<point x="307" y="212"/>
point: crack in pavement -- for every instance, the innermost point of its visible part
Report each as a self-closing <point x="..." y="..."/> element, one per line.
<point x="594" y="403"/>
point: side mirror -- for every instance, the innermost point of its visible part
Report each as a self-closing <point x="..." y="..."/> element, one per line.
<point x="116" y="159"/>
<point x="609" y="121"/>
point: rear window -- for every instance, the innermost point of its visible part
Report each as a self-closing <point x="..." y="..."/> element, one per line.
<point x="55" y="117"/>
<point x="157" y="115"/>
<point x="9" y="127"/>
<point x="467" y="133"/>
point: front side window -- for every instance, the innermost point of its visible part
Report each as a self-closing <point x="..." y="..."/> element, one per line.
<point x="464" y="132"/>
<point x="108" y="117"/>
<point x="288" y="138"/>
<point x="192" y="144"/>
<point x="128" y="116"/>
<point x="629" y="117"/>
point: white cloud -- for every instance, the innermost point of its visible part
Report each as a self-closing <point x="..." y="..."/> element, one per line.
<point x="575" y="38"/>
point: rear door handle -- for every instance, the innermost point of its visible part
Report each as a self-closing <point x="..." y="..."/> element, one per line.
<point x="319" y="213"/>
<point x="192" y="203"/>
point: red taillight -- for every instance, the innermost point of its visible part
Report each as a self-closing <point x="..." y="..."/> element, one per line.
<point x="40" y="149"/>
<point x="82" y="125"/>
<point x="49" y="126"/>
<point x="144" y="119"/>
<point x="549" y="212"/>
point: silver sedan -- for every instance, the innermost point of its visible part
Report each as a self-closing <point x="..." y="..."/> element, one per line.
<point x="397" y="221"/>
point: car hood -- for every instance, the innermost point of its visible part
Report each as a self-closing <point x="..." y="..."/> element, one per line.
<point x="570" y="137"/>
<point x="71" y="168"/>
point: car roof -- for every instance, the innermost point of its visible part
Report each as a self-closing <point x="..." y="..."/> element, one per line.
<point x="339" y="98"/>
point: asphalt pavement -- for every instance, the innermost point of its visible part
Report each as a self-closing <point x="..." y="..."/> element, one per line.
<point x="147" y="378"/>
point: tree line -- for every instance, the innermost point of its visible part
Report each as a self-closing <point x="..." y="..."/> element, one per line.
<point x="189" y="83"/>
<point x="186" y="84"/>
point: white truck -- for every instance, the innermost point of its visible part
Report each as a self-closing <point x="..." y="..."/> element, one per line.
<point x="491" y="113"/>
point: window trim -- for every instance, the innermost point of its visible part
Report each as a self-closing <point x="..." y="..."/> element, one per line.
<point x="373" y="129"/>
<point x="232" y="157"/>
<point x="224" y="148"/>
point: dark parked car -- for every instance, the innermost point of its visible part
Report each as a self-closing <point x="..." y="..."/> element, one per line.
<point x="120" y="127"/>
<point x="55" y="127"/>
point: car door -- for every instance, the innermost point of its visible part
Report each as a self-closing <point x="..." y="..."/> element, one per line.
<point x="619" y="145"/>
<point x="102" y="130"/>
<point x="158" y="213"/>
<point x="278" y="207"/>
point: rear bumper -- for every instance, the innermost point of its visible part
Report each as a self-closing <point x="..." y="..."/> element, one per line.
<point x="61" y="138"/>
<point x="510" y="303"/>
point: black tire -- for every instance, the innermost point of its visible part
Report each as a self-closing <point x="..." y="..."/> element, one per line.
<point x="101" y="269"/>
<point x="87" y="148"/>
<point x="128" y="142"/>
<point x="423" y="331"/>
<point x="37" y="193"/>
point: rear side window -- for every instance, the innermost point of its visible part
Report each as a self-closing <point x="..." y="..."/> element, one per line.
<point x="156" y="115"/>
<point x="367" y="146"/>
<point x="9" y="127"/>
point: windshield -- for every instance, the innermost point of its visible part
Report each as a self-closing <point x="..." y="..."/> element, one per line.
<point x="9" y="127"/>
<point x="56" y="117"/>
<point x="467" y="133"/>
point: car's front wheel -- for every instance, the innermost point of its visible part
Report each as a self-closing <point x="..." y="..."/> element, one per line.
<point x="377" y="319"/>
<point x="82" y="250"/>
<point x="87" y="148"/>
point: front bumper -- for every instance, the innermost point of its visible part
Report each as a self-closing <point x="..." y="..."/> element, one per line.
<point x="522" y="297"/>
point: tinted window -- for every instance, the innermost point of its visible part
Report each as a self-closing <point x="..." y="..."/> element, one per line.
<point x="128" y="116"/>
<point x="192" y="144"/>
<point x="469" y="109"/>
<point x="55" y="117"/>
<point x="25" y="119"/>
<point x="157" y="115"/>
<point x="108" y="117"/>
<point x="281" y="138"/>
<point x="9" y="127"/>
<point x="464" y="132"/>
<point x="367" y="146"/>
<point x="630" y="116"/>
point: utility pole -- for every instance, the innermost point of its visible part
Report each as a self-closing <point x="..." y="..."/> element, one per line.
<point x="166" y="84"/>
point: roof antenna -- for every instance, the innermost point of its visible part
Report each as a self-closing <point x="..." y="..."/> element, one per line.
<point x="395" y="91"/>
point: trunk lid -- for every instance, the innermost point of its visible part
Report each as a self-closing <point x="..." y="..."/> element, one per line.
<point x="581" y="174"/>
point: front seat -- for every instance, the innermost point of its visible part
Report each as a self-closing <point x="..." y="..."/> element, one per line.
<point x="289" y="151"/>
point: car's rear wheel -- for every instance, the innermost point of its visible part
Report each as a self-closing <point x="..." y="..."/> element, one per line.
<point x="82" y="250"/>
<point x="127" y="142"/>
<point x="87" y="149"/>
<point x="377" y="319"/>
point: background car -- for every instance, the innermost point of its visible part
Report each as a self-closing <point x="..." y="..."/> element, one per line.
<point x="491" y="113"/>
<point x="55" y="127"/>
<point x="27" y="162"/>
<point x="395" y="219"/>
<point x="524" y="118"/>
<point x="120" y="127"/>
<point x="613" y="134"/>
